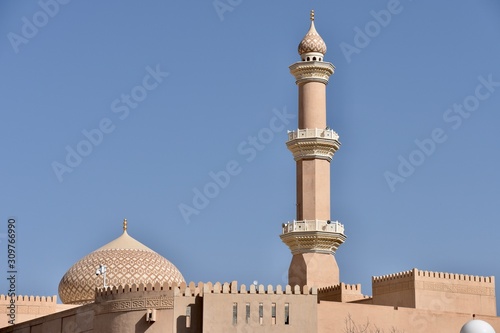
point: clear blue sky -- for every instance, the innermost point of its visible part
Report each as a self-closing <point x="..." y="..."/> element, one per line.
<point x="420" y="87"/>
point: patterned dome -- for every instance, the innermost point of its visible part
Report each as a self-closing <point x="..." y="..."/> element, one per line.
<point x="127" y="261"/>
<point x="312" y="41"/>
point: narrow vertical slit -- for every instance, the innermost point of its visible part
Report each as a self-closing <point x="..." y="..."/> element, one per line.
<point x="261" y="313"/>
<point x="188" y="316"/>
<point x="287" y="314"/>
<point x="235" y="313"/>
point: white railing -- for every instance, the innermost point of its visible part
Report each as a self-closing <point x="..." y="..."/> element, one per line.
<point x="313" y="225"/>
<point x="312" y="133"/>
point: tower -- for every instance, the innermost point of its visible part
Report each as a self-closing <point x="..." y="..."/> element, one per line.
<point x="313" y="238"/>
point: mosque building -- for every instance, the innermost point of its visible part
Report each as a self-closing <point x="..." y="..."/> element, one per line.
<point x="126" y="287"/>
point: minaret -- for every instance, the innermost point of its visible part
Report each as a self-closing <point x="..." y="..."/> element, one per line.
<point x="313" y="238"/>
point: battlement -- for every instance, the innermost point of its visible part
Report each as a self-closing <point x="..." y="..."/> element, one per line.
<point x="28" y="307"/>
<point x="134" y="288"/>
<point x="396" y="276"/>
<point x="232" y="288"/>
<point x="341" y="293"/>
<point x="201" y="288"/>
<point x="453" y="276"/>
<point x="340" y="287"/>
<point x="21" y="299"/>
<point x="416" y="274"/>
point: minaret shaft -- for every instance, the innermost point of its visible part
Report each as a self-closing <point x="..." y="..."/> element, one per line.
<point x="312" y="105"/>
<point x="313" y="189"/>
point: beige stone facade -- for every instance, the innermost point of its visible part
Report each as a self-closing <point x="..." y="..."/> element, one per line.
<point x="229" y="307"/>
<point x="147" y="293"/>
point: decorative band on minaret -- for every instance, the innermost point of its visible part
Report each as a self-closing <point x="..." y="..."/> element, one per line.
<point x="313" y="238"/>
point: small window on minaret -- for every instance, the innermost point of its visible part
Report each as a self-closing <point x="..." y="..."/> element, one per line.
<point x="273" y="314"/>
<point x="235" y="313"/>
<point x="247" y="312"/>
<point x="314" y="58"/>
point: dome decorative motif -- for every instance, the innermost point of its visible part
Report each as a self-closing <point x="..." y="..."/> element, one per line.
<point x="127" y="261"/>
<point x="312" y="41"/>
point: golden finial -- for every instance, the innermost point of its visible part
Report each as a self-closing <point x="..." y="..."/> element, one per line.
<point x="124" y="224"/>
<point x="312" y="14"/>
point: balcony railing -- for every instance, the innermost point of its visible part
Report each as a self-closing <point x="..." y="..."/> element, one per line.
<point x="313" y="225"/>
<point x="312" y="133"/>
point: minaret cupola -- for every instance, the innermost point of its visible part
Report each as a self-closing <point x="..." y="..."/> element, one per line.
<point x="312" y="47"/>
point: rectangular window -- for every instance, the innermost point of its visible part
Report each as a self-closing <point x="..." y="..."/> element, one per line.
<point x="287" y="314"/>
<point x="273" y="314"/>
<point x="248" y="313"/>
<point x="261" y="313"/>
<point x="235" y="313"/>
<point x="188" y="316"/>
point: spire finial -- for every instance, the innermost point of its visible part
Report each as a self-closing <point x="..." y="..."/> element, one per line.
<point x="124" y="225"/>
<point x="312" y="14"/>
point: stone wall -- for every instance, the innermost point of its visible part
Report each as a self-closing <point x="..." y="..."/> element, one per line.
<point x="28" y="307"/>
<point x="335" y="317"/>
<point x="455" y="292"/>
<point x="227" y="308"/>
<point x="436" y="291"/>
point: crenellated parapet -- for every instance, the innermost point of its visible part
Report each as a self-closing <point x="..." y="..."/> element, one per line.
<point x="342" y="293"/>
<point x="22" y="299"/>
<point x="27" y="307"/>
<point x="452" y="276"/>
<point x="134" y="288"/>
<point x="193" y="289"/>
<point x="232" y="288"/>
<point x="400" y="276"/>
<point x="416" y="275"/>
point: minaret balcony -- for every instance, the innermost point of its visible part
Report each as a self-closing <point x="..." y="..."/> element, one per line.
<point x="312" y="71"/>
<point x="318" y="236"/>
<point x="313" y="143"/>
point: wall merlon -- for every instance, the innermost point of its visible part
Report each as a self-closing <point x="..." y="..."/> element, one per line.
<point x="341" y="293"/>
<point x="31" y="299"/>
<point x="356" y="288"/>
<point x="454" y="276"/>
<point x="192" y="289"/>
<point x="233" y="288"/>
<point x="406" y="275"/>
<point x="114" y="290"/>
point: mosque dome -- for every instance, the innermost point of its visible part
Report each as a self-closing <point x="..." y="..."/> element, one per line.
<point x="477" y="326"/>
<point x="312" y="43"/>
<point x="126" y="261"/>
